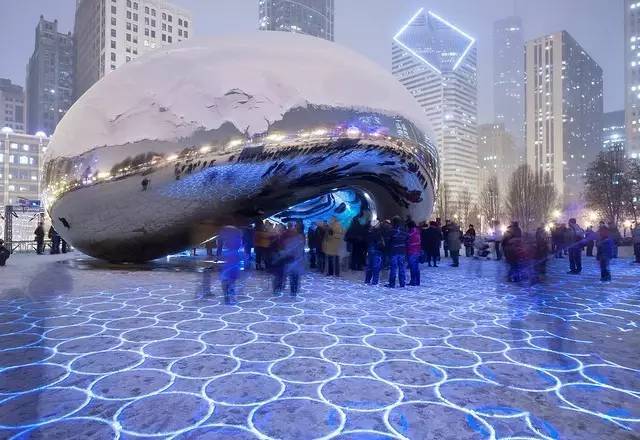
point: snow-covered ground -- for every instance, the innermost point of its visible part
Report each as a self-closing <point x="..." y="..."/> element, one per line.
<point x="92" y="349"/>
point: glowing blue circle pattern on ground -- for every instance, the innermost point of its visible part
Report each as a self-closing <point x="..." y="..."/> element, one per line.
<point x="464" y="356"/>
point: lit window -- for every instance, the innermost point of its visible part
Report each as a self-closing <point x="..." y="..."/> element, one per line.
<point x="24" y="160"/>
<point x="25" y="147"/>
<point x="14" y="146"/>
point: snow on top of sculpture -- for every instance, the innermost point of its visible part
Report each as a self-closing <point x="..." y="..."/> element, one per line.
<point x="249" y="81"/>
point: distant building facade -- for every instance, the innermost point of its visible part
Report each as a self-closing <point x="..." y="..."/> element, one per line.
<point x="20" y="166"/>
<point x="108" y="34"/>
<point x="497" y="154"/>
<point x="49" y="78"/>
<point x="614" y="134"/>
<point x="564" y="108"/>
<point x="311" y="17"/>
<point x="632" y="76"/>
<point x="12" y="106"/>
<point x="437" y="63"/>
<point x="508" y="77"/>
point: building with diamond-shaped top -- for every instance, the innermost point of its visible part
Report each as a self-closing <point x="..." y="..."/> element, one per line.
<point x="437" y="63"/>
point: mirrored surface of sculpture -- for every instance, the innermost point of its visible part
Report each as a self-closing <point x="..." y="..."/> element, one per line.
<point x="161" y="153"/>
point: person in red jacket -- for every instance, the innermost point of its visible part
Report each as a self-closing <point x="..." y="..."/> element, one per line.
<point x="413" y="253"/>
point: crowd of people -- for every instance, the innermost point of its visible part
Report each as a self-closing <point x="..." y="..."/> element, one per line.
<point x="399" y="246"/>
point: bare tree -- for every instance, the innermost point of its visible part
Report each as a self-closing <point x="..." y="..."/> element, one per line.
<point x="443" y="203"/>
<point x="530" y="199"/>
<point x="463" y="206"/>
<point x="608" y="189"/>
<point x="490" y="203"/>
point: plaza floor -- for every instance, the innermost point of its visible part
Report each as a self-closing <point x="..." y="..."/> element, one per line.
<point x="106" y="353"/>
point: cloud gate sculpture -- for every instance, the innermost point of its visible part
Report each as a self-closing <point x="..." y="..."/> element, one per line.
<point x="161" y="153"/>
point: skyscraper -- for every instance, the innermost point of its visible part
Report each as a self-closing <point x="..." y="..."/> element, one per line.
<point x="632" y="76"/>
<point x="111" y="33"/>
<point x="436" y="62"/>
<point x="11" y="106"/>
<point x="497" y="154"/>
<point x="508" y="77"/>
<point x="311" y="17"/>
<point x="563" y="111"/>
<point x="49" y="78"/>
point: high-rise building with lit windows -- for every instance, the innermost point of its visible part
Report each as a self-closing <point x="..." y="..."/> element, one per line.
<point x="20" y="166"/>
<point x="12" y="113"/>
<point x="508" y="77"/>
<point x="49" y="78"/>
<point x="497" y="154"/>
<point x="613" y="135"/>
<point x="311" y="17"/>
<point x="110" y="33"/>
<point x="632" y="76"/>
<point x="437" y="62"/>
<point x="563" y="112"/>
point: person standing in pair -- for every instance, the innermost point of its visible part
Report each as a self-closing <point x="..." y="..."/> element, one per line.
<point x="397" y="246"/>
<point x="635" y="234"/>
<point x="413" y="253"/>
<point x="445" y="238"/>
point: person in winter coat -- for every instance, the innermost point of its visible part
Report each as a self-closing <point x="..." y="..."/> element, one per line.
<point x="468" y="240"/>
<point x="614" y="235"/>
<point x="541" y="252"/>
<point x="575" y="241"/>
<point x="375" y="249"/>
<point x="262" y="243"/>
<point x="430" y="241"/>
<point x="515" y="251"/>
<point x="413" y="253"/>
<point x="635" y="234"/>
<point x="355" y="238"/>
<point x="39" y="233"/>
<point x="557" y="237"/>
<point x="397" y="248"/>
<point x="4" y="253"/>
<point x="445" y="239"/>
<point x="247" y="241"/>
<point x="334" y="242"/>
<point x="323" y="229"/>
<point x="497" y="239"/>
<point x="312" y="243"/>
<point x="454" y="237"/>
<point x="55" y="241"/>
<point x="605" y="252"/>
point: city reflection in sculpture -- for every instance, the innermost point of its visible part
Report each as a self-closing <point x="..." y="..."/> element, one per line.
<point x="149" y="162"/>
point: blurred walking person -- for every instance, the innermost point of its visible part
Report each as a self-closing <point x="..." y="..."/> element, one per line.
<point x="469" y="239"/>
<point x="413" y="253"/>
<point x="231" y="237"/>
<point x="55" y="241"/>
<point x="606" y="248"/>
<point x="262" y="242"/>
<point x="290" y="256"/>
<point x="635" y="234"/>
<point x="4" y="253"/>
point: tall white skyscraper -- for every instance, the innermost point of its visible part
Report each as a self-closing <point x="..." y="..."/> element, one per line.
<point x="436" y="62"/>
<point x="632" y="76"/>
<point x="311" y="17"/>
<point x="508" y="77"/>
<point x="110" y="33"/>
<point x="563" y="112"/>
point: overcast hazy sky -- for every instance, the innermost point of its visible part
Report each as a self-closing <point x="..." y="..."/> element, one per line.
<point x="368" y="26"/>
